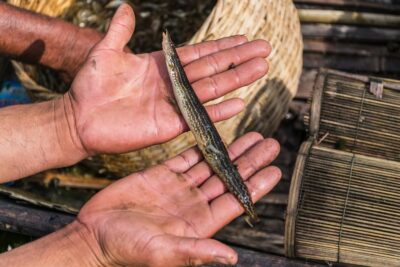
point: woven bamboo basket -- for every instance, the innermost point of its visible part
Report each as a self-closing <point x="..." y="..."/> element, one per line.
<point x="267" y="99"/>
<point x="344" y="207"/>
<point x="346" y="111"/>
<point x="53" y="8"/>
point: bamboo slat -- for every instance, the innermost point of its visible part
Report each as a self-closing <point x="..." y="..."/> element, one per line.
<point x="384" y="6"/>
<point x="350" y="33"/>
<point x="352" y="118"/>
<point x="347" y="17"/>
<point x="349" y="49"/>
<point x="71" y="180"/>
<point x="344" y="207"/>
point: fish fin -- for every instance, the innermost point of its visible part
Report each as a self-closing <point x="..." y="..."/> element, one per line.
<point x="212" y="149"/>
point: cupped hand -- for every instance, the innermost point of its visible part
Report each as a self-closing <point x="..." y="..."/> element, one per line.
<point x="165" y="215"/>
<point x="122" y="102"/>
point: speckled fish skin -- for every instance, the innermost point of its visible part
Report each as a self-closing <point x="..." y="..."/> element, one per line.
<point x="204" y="131"/>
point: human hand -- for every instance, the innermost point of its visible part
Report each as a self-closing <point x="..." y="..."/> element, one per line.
<point x="120" y="102"/>
<point x="167" y="213"/>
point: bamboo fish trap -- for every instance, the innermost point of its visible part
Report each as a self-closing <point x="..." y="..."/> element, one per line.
<point x="344" y="199"/>
<point x="356" y="113"/>
<point x="344" y="208"/>
<point x="267" y="99"/>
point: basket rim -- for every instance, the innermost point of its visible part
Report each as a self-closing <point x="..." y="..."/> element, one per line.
<point x="293" y="197"/>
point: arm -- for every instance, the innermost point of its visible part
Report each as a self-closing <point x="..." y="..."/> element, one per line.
<point x="52" y="42"/>
<point x="137" y="222"/>
<point x="36" y="137"/>
<point x="69" y="246"/>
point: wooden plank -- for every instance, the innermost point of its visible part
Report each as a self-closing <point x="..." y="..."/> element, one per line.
<point x="250" y="258"/>
<point x="350" y="33"/>
<point x="30" y="220"/>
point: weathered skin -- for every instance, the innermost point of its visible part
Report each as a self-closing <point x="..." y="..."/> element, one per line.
<point x="204" y="131"/>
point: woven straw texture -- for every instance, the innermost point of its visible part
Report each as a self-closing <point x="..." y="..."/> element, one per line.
<point x="53" y="8"/>
<point x="267" y="99"/>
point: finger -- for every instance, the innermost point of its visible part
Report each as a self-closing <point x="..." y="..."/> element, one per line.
<point x="225" y="82"/>
<point x="226" y="208"/>
<point x="195" y="252"/>
<point x="221" y="111"/>
<point x="189" y="53"/>
<point x="201" y="171"/>
<point x="121" y="29"/>
<point x="259" y="156"/>
<point x="184" y="161"/>
<point x="225" y="110"/>
<point x="220" y="61"/>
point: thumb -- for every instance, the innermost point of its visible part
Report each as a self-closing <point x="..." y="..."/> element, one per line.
<point x="121" y="29"/>
<point x="195" y="252"/>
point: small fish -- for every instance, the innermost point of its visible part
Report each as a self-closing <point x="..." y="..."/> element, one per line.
<point x="204" y="131"/>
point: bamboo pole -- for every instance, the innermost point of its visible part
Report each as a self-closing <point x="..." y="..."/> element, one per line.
<point x="382" y="6"/>
<point x="347" y="17"/>
<point x="73" y="181"/>
<point x="350" y="33"/>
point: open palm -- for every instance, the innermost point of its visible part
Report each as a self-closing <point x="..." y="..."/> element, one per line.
<point x="122" y="102"/>
<point x="167" y="213"/>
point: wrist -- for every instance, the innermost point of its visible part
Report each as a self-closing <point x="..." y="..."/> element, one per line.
<point x="81" y="246"/>
<point x="69" y="143"/>
<point x="40" y="136"/>
<point x="74" y="245"/>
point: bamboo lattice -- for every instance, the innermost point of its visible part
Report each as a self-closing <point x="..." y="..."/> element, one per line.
<point x="348" y="209"/>
<point x="344" y="200"/>
<point x="354" y="119"/>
